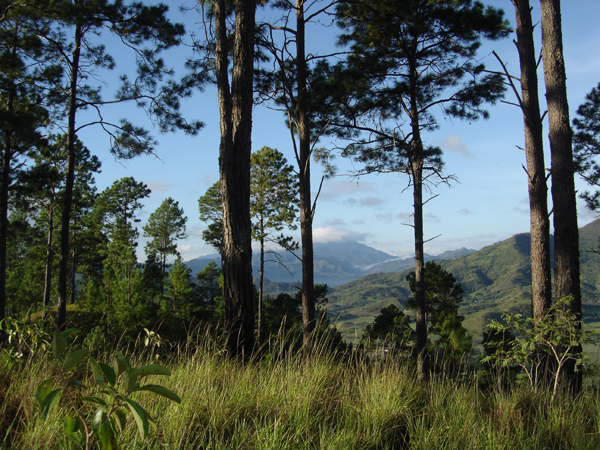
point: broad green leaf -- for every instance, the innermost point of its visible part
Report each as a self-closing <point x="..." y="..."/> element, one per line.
<point x="96" y="370"/>
<point x="107" y="436"/>
<point x="68" y="332"/>
<point x="75" y="383"/>
<point x="140" y="416"/>
<point x="59" y="343"/>
<point x="97" y="419"/>
<point x="129" y="381"/>
<point x="72" y="426"/>
<point x="49" y="402"/>
<point x="43" y="390"/>
<point x="122" y="417"/>
<point x="120" y="363"/>
<point x="109" y="373"/>
<point x="150" y="369"/>
<point x="74" y="358"/>
<point x="161" y="391"/>
<point x="96" y="400"/>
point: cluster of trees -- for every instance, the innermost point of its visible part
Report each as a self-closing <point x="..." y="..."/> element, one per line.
<point x="50" y="59"/>
<point x="399" y="65"/>
<point x="391" y="330"/>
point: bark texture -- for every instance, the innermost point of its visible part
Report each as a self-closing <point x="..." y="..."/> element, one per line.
<point x="63" y="256"/>
<point x="235" y="107"/>
<point x="566" y="232"/>
<point x="306" y="208"/>
<point x="416" y="159"/>
<point x="541" y="286"/>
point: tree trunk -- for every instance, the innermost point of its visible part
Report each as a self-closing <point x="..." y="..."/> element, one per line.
<point x="235" y="109"/>
<point x="566" y="232"/>
<point x="420" y="304"/>
<point x="63" y="257"/>
<point x="541" y="285"/>
<point x="4" y="190"/>
<point x="416" y="158"/>
<point x="306" y="211"/>
<point x="73" y="276"/>
<point x="261" y="282"/>
<point x="48" y="272"/>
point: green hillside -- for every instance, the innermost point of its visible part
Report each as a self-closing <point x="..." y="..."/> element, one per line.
<point x="496" y="279"/>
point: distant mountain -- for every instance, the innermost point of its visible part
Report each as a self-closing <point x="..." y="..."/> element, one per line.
<point x="197" y="264"/>
<point x="495" y="279"/>
<point x="400" y="264"/>
<point x="335" y="263"/>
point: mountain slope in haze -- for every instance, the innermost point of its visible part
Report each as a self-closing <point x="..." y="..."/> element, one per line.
<point x="335" y="263"/>
<point x="495" y="279"/>
<point x="399" y="264"/>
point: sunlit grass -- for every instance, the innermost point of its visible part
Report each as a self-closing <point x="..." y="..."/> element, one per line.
<point x="320" y="402"/>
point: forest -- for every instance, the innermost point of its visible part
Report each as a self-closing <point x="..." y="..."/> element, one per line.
<point x="102" y="349"/>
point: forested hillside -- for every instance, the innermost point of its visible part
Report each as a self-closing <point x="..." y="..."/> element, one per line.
<point x="495" y="279"/>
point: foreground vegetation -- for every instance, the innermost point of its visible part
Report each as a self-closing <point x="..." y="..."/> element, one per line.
<point x="285" y="401"/>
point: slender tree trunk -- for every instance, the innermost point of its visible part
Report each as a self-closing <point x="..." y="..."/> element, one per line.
<point x="261" y="282"/>
<point x="4" y="190"/>
<point x="5" y="185"/>
<point x="420" y="304"/>
<point x="566" y="232"/>
<point x="235" y="107"/>
<point x="306" y="211"/>
<point x="416" y="171"/>
<point x="63" y="257"/>
<point x="48" y="272"/>
<point x="541" y="285"/>
<point x="73" y="276"/>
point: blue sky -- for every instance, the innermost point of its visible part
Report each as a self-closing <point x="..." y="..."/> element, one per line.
<point x="488" y="204"/>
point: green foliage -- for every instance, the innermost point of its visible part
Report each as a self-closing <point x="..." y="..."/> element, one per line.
<point x="165" y="226"/>
<point x="25" y="340"/>
<point x="559" y="336"/>
<point x="273" y="197"/>
<point x="390" y="330"/>
<point x="179" y="290"/>
<point x="111" y="395"/>
<point x="586" y="148"/>
<point x="443" y="295"/>
<point x="211" y="211"/>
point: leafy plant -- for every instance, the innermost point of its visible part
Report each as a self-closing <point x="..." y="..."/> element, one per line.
<point x="560" y="336"/>
<point x="113" y="387"/>
<point x="24" y="339"/>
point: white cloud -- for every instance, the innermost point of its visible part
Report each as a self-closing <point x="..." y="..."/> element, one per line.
<point x="336" y="223"/>
<point x="432" y="217"/>
<point x="334" y="234"/>
<point x="159" y="186"/>
<point x="454" y="143"/>
<point x="371" y="201"/>
<point x="333" y="189"/>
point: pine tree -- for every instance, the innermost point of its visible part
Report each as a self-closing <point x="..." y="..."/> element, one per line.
<point x="28" y="71"/>
<point x="210" y="206"/>
<point x="136" y="25"/>
<point x="443" y="296"/>
<point x="273" y="206"/>
<point x="165" y="226"/>
<point x="179" y="289"/>
<point x="407" y="60"/>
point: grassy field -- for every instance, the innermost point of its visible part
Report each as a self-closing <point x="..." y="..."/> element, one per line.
<point x="318" y="403"/>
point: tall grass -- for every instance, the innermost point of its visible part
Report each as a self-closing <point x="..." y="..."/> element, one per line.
<point x="316" y="402"/>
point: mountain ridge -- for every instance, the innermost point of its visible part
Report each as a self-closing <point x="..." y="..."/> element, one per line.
<point x="336" y="263"/>
<point x="495" y="279"/>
